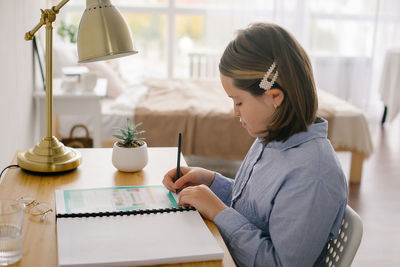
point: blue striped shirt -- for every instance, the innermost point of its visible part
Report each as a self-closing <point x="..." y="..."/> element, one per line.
<point x="286" y="202"/>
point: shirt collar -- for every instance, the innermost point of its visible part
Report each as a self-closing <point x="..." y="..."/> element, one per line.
<point x="319" y="129"/>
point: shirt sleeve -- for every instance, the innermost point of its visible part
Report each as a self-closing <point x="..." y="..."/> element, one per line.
<point x="222" y="187"/>
<point x="299" y="226"/>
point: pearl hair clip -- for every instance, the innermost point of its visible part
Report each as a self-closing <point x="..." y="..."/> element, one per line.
<point x="265" y="84"/>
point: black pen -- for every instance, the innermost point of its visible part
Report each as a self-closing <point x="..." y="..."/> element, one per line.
<point x="178" y="161"/>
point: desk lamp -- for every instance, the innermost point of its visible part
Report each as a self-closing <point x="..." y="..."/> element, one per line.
<point x="103" y="34"/>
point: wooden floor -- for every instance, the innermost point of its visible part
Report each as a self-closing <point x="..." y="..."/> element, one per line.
<point x="377" y="198"/>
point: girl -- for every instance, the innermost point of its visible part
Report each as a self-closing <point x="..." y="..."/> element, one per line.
<point x="289" y="195"/>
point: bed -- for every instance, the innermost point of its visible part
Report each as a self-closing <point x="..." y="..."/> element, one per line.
<point x="200" y="110"/>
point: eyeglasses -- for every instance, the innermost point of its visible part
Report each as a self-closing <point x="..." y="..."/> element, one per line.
<point x="35" y="208"/>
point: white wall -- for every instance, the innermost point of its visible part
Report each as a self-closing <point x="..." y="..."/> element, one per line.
<point x="17" y="117"/>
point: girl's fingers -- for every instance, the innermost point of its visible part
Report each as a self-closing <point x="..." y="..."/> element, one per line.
<point x="183" y="196"/>
<point x="173" y="184"/>
<point x="187" y="178"/>
<point x="171" y="173"/>
<point x="168" y="180"/>
<point x="184" y="181"/>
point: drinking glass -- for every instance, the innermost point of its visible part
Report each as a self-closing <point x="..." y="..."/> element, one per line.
<point x="11" y="235"/>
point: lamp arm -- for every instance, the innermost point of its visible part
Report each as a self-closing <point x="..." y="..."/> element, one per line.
<point x="29" y="35"/>
<point x="48" y="15"/>
<point x="57" y="8"/>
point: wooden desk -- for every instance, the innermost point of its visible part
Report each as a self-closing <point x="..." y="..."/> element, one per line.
<point x="96" y="170"/>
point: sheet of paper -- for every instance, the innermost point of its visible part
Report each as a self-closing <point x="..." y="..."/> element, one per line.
<point x="113" y="199"/>
<point x="149" y="239"/>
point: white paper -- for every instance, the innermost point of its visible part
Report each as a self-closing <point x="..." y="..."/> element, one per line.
<point x="159" y="238"/>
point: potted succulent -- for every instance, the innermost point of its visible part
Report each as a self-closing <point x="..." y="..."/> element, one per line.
<point x="130" y="151"/>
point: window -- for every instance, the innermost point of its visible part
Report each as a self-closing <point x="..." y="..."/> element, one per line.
<point x="342" y="27"/>
<point x="167" y="32"/>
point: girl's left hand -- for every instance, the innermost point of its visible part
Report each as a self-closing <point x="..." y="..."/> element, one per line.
<point x="203" y="199"/>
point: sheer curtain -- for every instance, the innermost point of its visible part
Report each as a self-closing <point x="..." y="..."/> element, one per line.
<point x="387" y="37"/>
<point x="345" y="39"/>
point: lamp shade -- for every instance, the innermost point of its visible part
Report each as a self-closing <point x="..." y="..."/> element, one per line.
<point x="103" y="33"/>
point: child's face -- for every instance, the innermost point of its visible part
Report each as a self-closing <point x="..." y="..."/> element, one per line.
<point x="255" y="112"/>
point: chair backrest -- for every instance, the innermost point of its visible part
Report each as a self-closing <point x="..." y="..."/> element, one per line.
<point x="341" y="251"/>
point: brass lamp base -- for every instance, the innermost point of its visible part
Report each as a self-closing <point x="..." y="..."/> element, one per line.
<point x="50" y="155"/>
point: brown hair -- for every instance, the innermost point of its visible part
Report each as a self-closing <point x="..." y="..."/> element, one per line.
<point x="247" y="58"/>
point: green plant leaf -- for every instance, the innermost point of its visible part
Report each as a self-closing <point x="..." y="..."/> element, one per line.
<point x="128" y="135"/>
<point x="118" y="136"/>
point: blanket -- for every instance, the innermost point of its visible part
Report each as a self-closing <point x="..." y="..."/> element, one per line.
<point x="200" y="110"/>
<point x="203" y="113"/>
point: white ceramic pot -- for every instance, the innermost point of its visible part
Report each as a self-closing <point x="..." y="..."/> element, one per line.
<point x="129" y="159"/>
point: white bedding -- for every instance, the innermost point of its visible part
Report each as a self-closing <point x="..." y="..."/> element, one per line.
<point x="348" y="127"/>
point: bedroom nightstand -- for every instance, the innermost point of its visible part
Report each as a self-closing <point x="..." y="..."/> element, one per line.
<point x="73" y="103"/>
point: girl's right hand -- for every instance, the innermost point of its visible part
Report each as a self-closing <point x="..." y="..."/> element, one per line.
<point x="190" y="176"/>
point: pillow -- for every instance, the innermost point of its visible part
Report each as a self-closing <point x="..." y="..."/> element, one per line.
<point x="115" y="85"/>
<point x="64" y="55"/>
